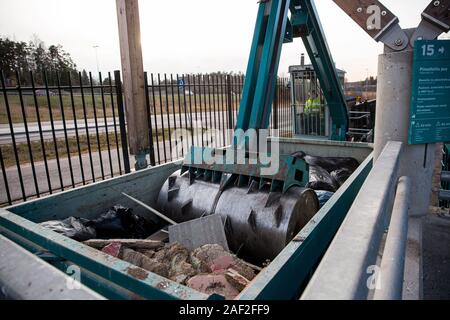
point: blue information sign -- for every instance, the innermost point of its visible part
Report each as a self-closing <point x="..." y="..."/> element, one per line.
<point x="430" y="101"/>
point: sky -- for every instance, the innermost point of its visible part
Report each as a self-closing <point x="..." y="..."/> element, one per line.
<point x="185" y="36"/>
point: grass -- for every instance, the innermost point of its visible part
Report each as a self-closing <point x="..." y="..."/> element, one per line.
<point x="50" y="150"/>
<point x="161" y="105"/>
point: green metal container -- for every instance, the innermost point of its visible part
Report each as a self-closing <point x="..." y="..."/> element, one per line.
<point x="284" y="278"/>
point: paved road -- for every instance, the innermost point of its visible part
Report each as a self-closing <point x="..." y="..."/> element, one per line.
<point x="164" y="152"/>
<point x="211" y="120"/>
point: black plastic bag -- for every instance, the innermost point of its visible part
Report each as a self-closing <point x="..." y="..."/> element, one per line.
<point x="329" y="164"/>
<point x="320" y="179"/>
<point x="341" y="175"/>
<point x="323" y="196"/>
<point x="333" y="164"/>
<point x="72" y="227"/>
<point x="120" y="222"/>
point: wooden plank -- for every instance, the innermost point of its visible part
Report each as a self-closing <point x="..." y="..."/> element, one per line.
<point x="130" y="243"/>
<point x="133" y="75"/>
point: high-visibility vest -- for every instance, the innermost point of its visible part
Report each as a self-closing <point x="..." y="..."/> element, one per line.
<point x="312" y="105"/>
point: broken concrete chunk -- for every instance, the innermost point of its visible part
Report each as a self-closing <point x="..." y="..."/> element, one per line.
<point x="155" y="266"/>
<point x="209" y="269"/>
<point x="147" y="253"/>
<point x="113" y="249"/>
<point x="132" y="257"/>
<point x="222" y="263"/>
<point x="213" y="258"/>
<point x="211" y="283"/>
<point x="236" y="280"/>
<point x="144" y="262"/>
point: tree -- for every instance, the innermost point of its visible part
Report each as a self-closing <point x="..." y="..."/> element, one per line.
<point x="84" y="77"/>
<point x="14" y="57"/>
<point x="36" y="57"/>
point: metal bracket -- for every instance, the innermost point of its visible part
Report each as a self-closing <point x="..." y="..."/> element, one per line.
<point x="435" y="20"/>
<point x="382" y="25"/>
<point x="377" y="20"/>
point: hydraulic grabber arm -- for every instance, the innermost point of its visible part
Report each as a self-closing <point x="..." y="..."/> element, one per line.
<point x="278" y="22"/>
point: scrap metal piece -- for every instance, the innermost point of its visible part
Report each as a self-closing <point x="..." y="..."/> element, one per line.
<point x="196" y="233"/>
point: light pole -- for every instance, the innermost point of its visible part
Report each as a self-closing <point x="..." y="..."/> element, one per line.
<point x="96" y="58"/>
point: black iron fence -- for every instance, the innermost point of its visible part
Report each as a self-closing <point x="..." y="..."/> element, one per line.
<point x="63" y="130"/>
<point x="55" y="136"/>
<point x="205" y="108"/>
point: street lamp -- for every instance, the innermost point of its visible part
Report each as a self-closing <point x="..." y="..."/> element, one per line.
<point x="96" y="58"/>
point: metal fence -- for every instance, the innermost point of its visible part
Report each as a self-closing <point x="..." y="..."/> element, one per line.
<point x="56" y="136"/>
<point x="205" y="107"/>
<point x="63" y="130"/>
<point x="362" y="121"/>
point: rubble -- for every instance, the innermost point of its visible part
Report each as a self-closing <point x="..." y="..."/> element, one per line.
<point x="213" y="258"/>
<point x="213" y="283"/>
<point x="113" y="249"/>
<point x="209" y="269"/>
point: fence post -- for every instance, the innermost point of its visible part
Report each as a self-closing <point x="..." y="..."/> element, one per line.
<point x="275" y="107"/>
<point x="150" y="127"/>
<point x="121" y="112"/>
<point x="230" y="112"/>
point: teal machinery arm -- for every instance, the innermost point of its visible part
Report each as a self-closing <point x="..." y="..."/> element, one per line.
<point x="273" y="28"/>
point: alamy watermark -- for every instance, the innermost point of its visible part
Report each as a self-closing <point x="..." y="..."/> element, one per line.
<point x="374" y="280"/>
<point x="249" y="147"/>
<point x="73" y="280"/>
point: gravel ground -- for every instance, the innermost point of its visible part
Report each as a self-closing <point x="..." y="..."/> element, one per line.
<point x="436" y="258"/>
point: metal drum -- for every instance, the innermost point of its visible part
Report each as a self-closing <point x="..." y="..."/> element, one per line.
<point x="258" y="223"/>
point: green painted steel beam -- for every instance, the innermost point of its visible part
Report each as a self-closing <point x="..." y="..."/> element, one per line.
<point x="271" y="31"/>
<point x="137" y="280"/>
<point x="289" y="35"/>
<point x="270" y="59"/>
<point x="251" y="76"/>
<point x="307" y="24"/>
<point x="273" y="28"/>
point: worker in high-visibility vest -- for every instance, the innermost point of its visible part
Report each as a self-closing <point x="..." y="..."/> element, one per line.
<point x="312" y="114"/>
<point x="313" y="103"/>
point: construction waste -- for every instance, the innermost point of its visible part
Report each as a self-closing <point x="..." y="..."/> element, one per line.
<point x="327" y="174"/>
<point x="209" y="269"/>
<point x="117" y="223"/>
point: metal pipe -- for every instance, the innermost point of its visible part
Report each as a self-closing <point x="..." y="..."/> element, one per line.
<point x="393" y="260"/>
<point x="154" y="211"/>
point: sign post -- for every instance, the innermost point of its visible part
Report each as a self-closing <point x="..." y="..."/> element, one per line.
<point x="430" y="100"/>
